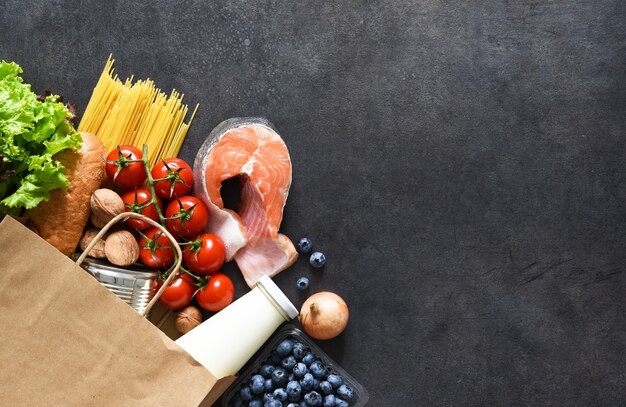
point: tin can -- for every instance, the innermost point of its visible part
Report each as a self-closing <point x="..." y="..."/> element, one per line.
<point x="135" y="287"/>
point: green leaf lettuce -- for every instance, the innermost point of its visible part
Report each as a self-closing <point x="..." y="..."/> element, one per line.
<point x="31" y="133"/>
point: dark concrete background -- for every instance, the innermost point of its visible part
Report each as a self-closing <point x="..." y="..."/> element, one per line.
<point x="461" y="165"/>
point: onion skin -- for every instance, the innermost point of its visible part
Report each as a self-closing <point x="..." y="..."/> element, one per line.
<point x="324" y="315"/>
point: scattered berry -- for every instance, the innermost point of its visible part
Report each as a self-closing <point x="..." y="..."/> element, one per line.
<point x="299" y="350"/>
<point x="285" y="347"/>
<point x="294" y="390"/>
<point x="308" y="359"/>
<point x="304" y="245"/>
<point x="245" y="393"/>
<point x="293" y="405"/>
<point x="257" y="384"/>
<point x="317" y="260"/>
<point x="288" y="363"/>
<point x="313" y="399"/>
<point x="335" y="380"/>
<point x="268" y="385"/>
<point x="273" y="403"/>
<point x="280" y="394"/>
<point x="341" y="403"/>
<point x="345" y="392"/>
<point x="279" y="377"/>
<point x="329" y="401"/>
<point x="299" y="369"/>
<point x="302" y="283"/>
<point x="307" y="382"/>
<point x="318" y="369"/>
<point x="325" y="387"/>
<point x="266" y="371"/>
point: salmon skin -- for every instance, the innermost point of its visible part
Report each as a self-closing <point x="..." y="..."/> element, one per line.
<point x="251" y="149"/>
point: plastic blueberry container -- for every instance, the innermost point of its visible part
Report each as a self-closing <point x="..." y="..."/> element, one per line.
<point x="290" y="331"/>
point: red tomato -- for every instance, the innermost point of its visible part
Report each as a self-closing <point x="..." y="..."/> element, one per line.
<point x="208" y="257"/>
<point x="179" y="178"/>
<point x="218" y="293"/>
<point x="189" y="214"/>
<point x="155" y="249"/>
<point x="134" y="201"/>
<point x="123" y="173"/>
<point x="178" y="294"/>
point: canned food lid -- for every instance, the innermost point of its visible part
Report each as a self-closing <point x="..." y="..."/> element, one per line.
<point x="93" y="265"/>
<point x="278" y="296"/>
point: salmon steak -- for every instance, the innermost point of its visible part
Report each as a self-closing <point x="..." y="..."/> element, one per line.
<point x="250" y="150"/>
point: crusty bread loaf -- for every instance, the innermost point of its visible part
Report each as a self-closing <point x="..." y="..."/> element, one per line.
<point x="61" y="220"/>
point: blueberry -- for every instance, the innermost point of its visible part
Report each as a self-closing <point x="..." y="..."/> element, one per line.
<point x="266" y="371"/>
<point x="280" y="394"/>
<point x="299" y="350"/>
<point x="273" y="403"/>
<point x="255" y="403"/>
<point x="317" y="260"/>
<point x="267" y="397"/>
<point x="294" y="390"/>
<point x="257" y="384"/>
<point x="245" y="393"/>
<point x="325" y="387"/>
<point x="335" y="380"/>
<point x="288" y="363"/>
<point x="268" y="385"/>
<point x="308" y="359"/>
<point x="302" y="283"/>
<point x="329" y="401"/>
<point x="279" y="376"/>
<point x="293" y="405"/>
<point x="284" y="348"/>
<point x="299" y="369"/>
<point x="313" y="399"/>
<point x="341" y="403"/>
<point x="345" y="392"/>
<point x="318" y="369"/>
<point x="304" y="245"/>
<point x="307" y="382"/>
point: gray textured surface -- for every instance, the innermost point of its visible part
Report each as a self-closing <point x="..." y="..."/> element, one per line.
<point x="462" y="166"/>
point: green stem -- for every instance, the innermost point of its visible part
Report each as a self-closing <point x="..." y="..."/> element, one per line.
<point x="151" y="182"/>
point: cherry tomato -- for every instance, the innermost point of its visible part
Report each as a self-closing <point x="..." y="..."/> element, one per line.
<point x="134" y="201"/>
<point x="207" y="254"/>
<point x="178" y="294"/>
<point x="155" y="249"/>
<point x="123" y="173"/>
<point x="179" y="178"/>
<point x="191" y="216"/>
<point x="218" y="293"/>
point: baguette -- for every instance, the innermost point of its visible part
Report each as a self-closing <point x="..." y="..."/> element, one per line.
<point x="61" y="220"/>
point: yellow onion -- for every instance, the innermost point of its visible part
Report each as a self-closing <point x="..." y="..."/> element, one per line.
<point x="324" y="315"/>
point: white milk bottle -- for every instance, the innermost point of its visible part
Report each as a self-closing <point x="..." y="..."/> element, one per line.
<point x="227" y="340"/>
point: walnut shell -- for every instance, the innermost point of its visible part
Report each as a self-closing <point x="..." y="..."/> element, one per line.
<point x="121" y="248"/>
<point x="105" y="205"/>
<point x="187" y="319"/>
<point x="98" y="250"/>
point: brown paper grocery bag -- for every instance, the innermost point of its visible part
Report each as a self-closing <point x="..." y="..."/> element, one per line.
<point x="67" y="341"/>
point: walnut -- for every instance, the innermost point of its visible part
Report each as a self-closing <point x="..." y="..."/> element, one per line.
<point x="98" y="250"/>
<point x="187" y="319"/>
<point x="121" y="248"/>
<point x="105" y="205"/>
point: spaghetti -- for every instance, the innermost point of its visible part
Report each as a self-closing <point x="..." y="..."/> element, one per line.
<point x="135" y="114"/>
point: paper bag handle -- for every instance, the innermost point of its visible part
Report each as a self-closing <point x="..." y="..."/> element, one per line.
<point x="124" y="216"/>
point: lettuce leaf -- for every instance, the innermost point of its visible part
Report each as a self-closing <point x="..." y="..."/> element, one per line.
<point x="31" y="133"/>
